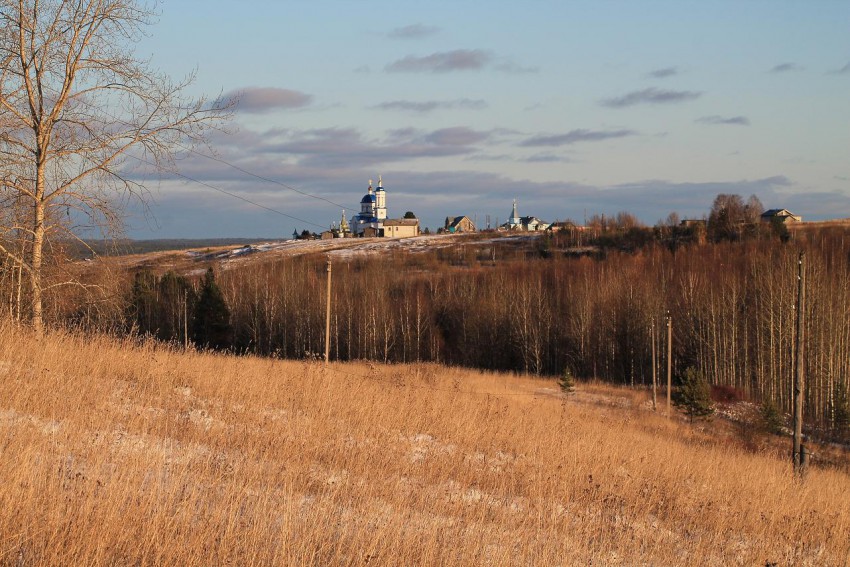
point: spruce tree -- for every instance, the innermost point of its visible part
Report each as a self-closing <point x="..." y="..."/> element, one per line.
<point x="694" y="397"/>
<point x="211" y="324"/>
<point x="567" y="382"/>
<point x="771" y="418"/>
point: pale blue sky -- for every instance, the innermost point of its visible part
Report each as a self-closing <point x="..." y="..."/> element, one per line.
<point x="573" y="108"/>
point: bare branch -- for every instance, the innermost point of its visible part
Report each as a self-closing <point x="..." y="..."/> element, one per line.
<point x="74" y="103"/>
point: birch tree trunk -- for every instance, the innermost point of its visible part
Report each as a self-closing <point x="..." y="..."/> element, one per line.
<point x="75" y="106"/>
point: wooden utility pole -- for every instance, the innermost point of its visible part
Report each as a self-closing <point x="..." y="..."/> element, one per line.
<point x="328" y="317"/>
<point x="799" y="452"/>
<point x="669" y="359"/>
<point x="185" y="319"/>
<point x="654" y="366"/>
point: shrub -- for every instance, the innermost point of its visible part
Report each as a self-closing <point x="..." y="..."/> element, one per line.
<point x="726" y="394"/>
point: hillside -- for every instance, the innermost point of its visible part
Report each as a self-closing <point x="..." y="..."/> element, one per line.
<point x="188" y="260"/>
<point x="122" y="453"/>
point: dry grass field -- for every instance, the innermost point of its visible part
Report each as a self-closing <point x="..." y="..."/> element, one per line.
<point x="115" y="453"/>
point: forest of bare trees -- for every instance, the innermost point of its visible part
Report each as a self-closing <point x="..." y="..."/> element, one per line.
<point x="537" y="308"/>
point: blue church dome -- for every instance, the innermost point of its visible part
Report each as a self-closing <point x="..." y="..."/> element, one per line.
<point x="368" y="199"/>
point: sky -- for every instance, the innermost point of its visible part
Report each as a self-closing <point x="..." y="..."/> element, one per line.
<point x="572" y="108"/>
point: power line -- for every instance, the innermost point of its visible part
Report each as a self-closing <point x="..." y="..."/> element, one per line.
<point x="214" y="188"/>
<point x="261" y="177"/>
<point x="237" y="168"/>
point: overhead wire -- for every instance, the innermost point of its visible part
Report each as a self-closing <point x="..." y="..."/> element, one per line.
<point x="225" y="192"/>
<point x="237" y="168"/>
<point x="261" y="177"/>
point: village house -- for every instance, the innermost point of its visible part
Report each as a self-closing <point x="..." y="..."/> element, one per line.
<point x="459" y="224"/>
<point x="401" y="228"/>
<point x="558" y="226"/>
<point x="782" y="215"/>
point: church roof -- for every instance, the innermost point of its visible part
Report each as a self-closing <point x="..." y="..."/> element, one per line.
<point x="369" y="198"/>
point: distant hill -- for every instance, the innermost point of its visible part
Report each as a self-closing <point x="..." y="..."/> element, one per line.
<point x="127" y="246"/>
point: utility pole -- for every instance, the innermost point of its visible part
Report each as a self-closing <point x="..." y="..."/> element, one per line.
<point x="185" y="319"/>
<point x="654" y="366"/>
<point x="669" y="359"/>
<point x="799" y="452"/>
<point x="328" y="317"/>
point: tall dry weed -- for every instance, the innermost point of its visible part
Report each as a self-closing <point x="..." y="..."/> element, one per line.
<point x="124" y="453"/>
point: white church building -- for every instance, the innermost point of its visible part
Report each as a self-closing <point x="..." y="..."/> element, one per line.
<point x="372" y="219"/>
<point x="373" y="210"/>
<point x="518" y="223"/>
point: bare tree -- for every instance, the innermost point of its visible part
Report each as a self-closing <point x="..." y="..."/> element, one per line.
<point x="79" y="112"/>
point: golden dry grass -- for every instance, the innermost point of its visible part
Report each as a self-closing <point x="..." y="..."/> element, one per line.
<point x="116" y="453"/>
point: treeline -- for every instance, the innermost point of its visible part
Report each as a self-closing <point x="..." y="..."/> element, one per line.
<point x="172" y="309"/>
<point x="507" y="306"/>
<point x="731" y="305"/>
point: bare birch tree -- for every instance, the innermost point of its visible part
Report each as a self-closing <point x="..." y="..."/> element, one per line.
<point x="78" y="111"/>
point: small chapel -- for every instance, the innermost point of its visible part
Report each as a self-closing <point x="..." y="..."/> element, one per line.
<point x="518" y="223"/>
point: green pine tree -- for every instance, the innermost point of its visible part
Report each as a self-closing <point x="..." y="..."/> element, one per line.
<point x="211" y="324"/>
<point x="567" y="382"/>
<point x="771" y="418"/>
<point x="694" y="396"/>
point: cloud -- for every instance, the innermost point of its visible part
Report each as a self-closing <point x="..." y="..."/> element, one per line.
<point x="431" y="105"/>
<point x="650" y="96"/>
<point x="491" y="157"/>
<point x="663" y="73"/>
<point x="444" y="62"/>
<point x="457" y="60"/>
<point x="458" y="136"/>
<point x="785" y="67"/>
<point x="576" y="136"/>
<point x="546" y="158"/>
<point x="269" y="152"/>
<point x="259" y="100"/>
<point x="415" y="31"/>
<point x="719" y="120"/>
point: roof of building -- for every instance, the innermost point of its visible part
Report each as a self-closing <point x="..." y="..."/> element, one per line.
<point x="777" y="212"/>
<point x="455" y="221"/>
<point x="368" y="198"/>
<point x="401" y="222"/>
